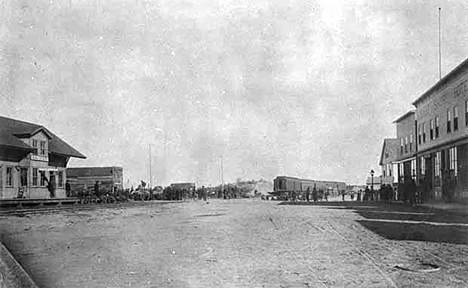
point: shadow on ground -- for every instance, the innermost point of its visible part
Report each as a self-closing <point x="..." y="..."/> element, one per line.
<point x="397" y="221"/>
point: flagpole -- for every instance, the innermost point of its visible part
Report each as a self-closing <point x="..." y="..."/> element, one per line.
<point x="440" y="54"/>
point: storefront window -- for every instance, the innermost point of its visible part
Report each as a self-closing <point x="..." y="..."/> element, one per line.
<point x="42" y="175"/>
<point x="34" y="177"/>
<point x="9" y="176"/>
<point x="453" y="158"/>
<point x="60" y="179"/>
<point x="422" y="166"/>
<point x="437" y="169"/>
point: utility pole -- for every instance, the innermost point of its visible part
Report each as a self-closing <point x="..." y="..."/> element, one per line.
<point x="165" y="152"/>
<point x="150" y="175"/>
<point x="440" y="54"/>
<point x="222" y="175"/>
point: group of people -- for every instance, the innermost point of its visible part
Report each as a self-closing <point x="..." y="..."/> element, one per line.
<point x="385" y="193"/>
<point x="314" y="195"/>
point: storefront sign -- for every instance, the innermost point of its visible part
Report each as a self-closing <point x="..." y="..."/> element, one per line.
<point x="40" y="158"/>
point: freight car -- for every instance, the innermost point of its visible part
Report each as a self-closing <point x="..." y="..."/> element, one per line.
<point x="283" y="186"/>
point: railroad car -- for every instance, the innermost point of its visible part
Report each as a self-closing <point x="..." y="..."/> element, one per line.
<point x="283" y="185"/>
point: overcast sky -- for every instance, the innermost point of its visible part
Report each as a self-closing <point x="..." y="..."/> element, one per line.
<point x="298" y="88"/>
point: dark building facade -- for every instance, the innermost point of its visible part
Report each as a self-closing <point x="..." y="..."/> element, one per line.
<point x="85" y="177"/>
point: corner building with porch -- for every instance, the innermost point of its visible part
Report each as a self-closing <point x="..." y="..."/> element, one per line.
<point x="27" y="152"/>
<point x="442" y="136"/>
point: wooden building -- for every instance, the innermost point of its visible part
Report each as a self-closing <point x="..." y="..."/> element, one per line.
<point x="442" y="126"/>
<point x="31" y="155"/>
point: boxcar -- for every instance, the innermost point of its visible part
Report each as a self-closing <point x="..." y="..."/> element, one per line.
<point x="283" y="185"/>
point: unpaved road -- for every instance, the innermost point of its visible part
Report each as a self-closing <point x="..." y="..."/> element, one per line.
<point x="238" y="243"/>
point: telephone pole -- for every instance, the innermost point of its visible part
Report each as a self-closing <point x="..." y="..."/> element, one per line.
<point x="150" y="175"/>
<point x="222" y="175"/>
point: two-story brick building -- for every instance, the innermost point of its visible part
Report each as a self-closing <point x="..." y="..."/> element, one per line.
<point x="442" y="125"/>
<point x="31" y="155"/>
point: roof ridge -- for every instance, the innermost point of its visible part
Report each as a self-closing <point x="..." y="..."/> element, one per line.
<point x="22" y="121"/>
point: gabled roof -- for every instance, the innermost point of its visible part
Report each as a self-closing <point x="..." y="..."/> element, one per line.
<point x="12" y="130"/>
<point x="404" y="116"/>
<point x="8" y="140"/>
<point x="442" y="81"/>
<point x="390" y="145"/>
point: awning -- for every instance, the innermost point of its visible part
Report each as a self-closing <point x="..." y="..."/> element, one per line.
<point x="404" y="160"/>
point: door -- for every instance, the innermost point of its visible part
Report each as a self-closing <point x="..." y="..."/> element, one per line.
<point x="52" y="179"/>
<point x="23" y="181"/>
<point x="428" y="176"/>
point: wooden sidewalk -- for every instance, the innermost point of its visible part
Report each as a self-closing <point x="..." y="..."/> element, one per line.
<point x="38" y="202"/>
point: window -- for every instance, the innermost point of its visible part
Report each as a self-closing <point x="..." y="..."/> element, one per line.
<point x="60" y="179"/>
<point x="437" y="169"/>
<point x="411" y="142"/>
<point x="42" y="150"/>
<point x="453" y="158"/>
<point x="389" y="169"/>
<point x="431" y="129"/>
<point x="9" y="176"/>
<point x="419" y="134"/>
<point x="424" y="132"/>
<point x="43" y="174"/>
<point x="413" y="169"/>
<point x="23" y="177"/>
<point x="34" y="144"/>
<point x="449" y="121"/>
<point x="437" y="127"/>
<point x="422" y="166"/>
<point x="34" y="177"/>
<point x="455" y="118"/>
<point x="466" y="112"/>
<point x="401" y="146"/>
<point x="400" y="171"/>
<point x="406" y="144"/>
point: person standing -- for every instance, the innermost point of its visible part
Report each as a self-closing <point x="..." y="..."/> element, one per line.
<point x="366" y="194"/>
<point x="68" y="189"/>
<point x="50" y="187"/>
<point x="203" y="193"/>
<point x="314" y="193"/>
<point x="96" y="188"/>
<point x="308" y="194"/>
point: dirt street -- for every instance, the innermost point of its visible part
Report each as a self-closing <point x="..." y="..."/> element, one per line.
<point x="240" y="243"/>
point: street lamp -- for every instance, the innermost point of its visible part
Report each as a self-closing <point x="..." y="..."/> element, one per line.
<point x="372" y="182"/>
